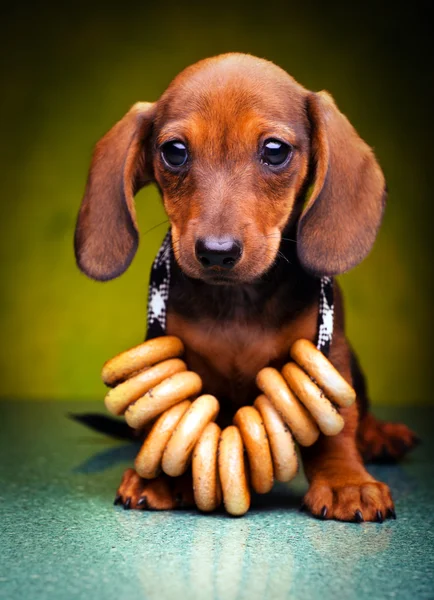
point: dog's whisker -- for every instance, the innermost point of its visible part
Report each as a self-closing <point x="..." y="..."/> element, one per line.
<point x="176" y="245"/>
<point x="155" y="227"/>
<point x="281" y="255"/>
<point x="276" y="235"/>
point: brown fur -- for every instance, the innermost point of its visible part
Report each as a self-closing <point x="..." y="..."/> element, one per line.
<point x="235" y="322"/>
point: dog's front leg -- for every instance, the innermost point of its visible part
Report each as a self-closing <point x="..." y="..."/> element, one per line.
<point x="340" y="486"/>
<point x="161" y="493"/>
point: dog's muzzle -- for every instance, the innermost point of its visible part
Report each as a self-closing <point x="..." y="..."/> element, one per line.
<point x="223" y="252"/>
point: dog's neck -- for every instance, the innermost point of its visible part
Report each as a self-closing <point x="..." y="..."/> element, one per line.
<point x="277" y="296"/>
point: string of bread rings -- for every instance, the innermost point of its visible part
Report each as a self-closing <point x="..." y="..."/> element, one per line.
<point x="152" y="387"/>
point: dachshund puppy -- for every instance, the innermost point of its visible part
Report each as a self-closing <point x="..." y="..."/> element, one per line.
<point x="267" y="188"/>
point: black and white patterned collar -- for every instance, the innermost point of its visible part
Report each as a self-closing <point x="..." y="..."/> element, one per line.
<point x="159" y="286"/>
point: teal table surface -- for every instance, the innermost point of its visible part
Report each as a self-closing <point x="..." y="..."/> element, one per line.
<point x="61" y="536"/>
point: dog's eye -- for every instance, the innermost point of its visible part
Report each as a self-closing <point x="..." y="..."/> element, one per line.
<point x="275" y="153"/>
<point x="174" y="153"/>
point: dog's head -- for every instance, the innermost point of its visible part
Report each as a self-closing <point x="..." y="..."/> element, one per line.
<point x="233" y="145"/>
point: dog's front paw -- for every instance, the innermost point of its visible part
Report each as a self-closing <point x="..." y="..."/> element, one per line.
<point x="357" y="502"/>
<point x="161" y="493"/>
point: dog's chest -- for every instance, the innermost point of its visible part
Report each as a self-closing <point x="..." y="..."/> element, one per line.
<point x="228" y="355"/>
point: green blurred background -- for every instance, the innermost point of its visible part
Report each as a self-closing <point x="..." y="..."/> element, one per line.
<point x="69" y="72"/>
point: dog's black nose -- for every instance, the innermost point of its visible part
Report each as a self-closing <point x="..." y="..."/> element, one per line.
<point x="223" y="252"/>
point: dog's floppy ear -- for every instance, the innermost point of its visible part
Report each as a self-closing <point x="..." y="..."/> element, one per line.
<point x="339" y="224"/>
<point x="106" y="234"/>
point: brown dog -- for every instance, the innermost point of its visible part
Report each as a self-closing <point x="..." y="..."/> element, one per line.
<point x="267" y="187"/>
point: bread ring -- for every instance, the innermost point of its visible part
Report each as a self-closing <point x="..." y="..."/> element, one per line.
<point x="178" y="451"/>
<point x="131" y="361"/>
<point x="232" y="472"/>
<point x="325" y="414"/>
<point x="148" y="460"/>
<point x="169" y="392"/>
<point x="118" y="398"/>
<point x="281" y="442"/>
<point x="271" y="382"/>
<point x="206" y="482"/>
<point x="249" y="422"/>
<point x="320" y="368"/>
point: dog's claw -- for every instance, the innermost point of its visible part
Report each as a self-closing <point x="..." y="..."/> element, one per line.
<point x="117" y="499"/>
<point x="379" y="516"/>
<point x="358" y="517"/>
<point x="323" y="513"/>
<point x="127" y="504"/>
<point x="391" y="513"/>
<point x="142" y="502"/>
<point x="303" y="507"/>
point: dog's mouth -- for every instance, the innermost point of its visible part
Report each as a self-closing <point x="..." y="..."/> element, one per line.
<point x="220" y="278"/>
<point x="223" y="277"/>
<point x="214" y="268"/>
